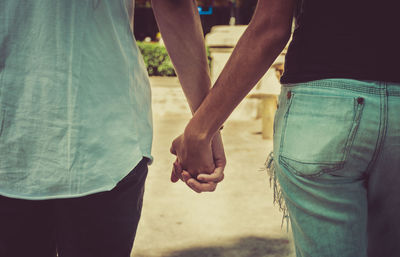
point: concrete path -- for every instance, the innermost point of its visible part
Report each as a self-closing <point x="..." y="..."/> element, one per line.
<point x="237" y="220"/>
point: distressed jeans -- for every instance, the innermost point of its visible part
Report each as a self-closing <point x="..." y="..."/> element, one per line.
<point x="337" y="160"/>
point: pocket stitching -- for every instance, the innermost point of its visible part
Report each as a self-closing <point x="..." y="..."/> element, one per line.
<point x="335" y="167"/>
<point x="359" y="107"/>
<point x="348" y="144"/>
<point x="285" y="118"/>
<point x="3" y="118"/>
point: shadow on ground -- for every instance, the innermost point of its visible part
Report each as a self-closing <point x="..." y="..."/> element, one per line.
<point x="244" y="247"/>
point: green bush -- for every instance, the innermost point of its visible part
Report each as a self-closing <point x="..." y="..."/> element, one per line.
<point x="157" y="60"/>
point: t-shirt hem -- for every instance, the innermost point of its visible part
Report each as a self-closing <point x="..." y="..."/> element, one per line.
<point x="104" y="188"/>
<point x="22" y="197"/>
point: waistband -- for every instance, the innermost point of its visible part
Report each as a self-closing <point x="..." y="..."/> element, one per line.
<point x="362" y="86"/>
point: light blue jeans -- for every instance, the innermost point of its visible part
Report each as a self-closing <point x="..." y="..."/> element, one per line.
<point x="337" y="160"/>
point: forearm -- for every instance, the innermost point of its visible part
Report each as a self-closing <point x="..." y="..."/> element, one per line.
<point x="181" y="30"/>
<point x="259" y="46"/>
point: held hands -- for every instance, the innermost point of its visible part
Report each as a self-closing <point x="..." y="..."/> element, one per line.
<point x="199" y="163"/>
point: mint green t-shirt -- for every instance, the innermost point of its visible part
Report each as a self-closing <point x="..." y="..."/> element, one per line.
<point x="75" y="104"/>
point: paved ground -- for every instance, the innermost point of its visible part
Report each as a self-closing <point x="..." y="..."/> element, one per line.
<point x="238" y="220"/>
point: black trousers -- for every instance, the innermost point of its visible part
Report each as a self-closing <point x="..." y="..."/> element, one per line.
<point x="102" y="224"/>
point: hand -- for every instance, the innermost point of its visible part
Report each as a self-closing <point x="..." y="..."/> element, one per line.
<point x="202" y="182"/>
<point x="193" y="152"/>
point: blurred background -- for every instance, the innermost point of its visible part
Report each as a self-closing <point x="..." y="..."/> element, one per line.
<point x="213" y="12"/>
<point x="239" y="219"/>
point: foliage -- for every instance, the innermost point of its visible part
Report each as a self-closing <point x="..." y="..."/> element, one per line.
<point x="156" y="59"/>
<point x="143" y="3"/>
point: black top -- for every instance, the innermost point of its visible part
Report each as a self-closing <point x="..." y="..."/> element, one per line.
<point x="356" y="39"/>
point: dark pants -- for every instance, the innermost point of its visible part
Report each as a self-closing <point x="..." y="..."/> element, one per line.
<point x="102" y="224"/>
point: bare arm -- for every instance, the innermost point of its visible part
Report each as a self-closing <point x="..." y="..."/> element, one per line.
<point x="180" y="27"/>
<point x="265" y="37"/>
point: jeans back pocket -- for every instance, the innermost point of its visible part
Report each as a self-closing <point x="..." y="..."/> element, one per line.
<point x="318" y="132"/>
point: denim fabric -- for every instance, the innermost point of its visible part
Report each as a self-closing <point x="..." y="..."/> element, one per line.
<point x="337" y="161"/>
<point x="99" y="225"/>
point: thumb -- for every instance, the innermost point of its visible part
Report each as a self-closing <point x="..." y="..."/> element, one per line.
<point x="172" y="149"/>
<point x="216" y="177"/>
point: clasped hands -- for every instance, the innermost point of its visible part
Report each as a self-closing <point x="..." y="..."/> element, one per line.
<point x="200" y="162"/>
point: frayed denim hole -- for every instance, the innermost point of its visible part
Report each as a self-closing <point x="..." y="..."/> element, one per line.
<point x="269" y="166"/>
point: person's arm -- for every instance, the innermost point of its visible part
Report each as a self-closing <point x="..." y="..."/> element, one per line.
<point x="263" y="40"/>
<point x="181" y="30"/>
<point x="180" y="27"/>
